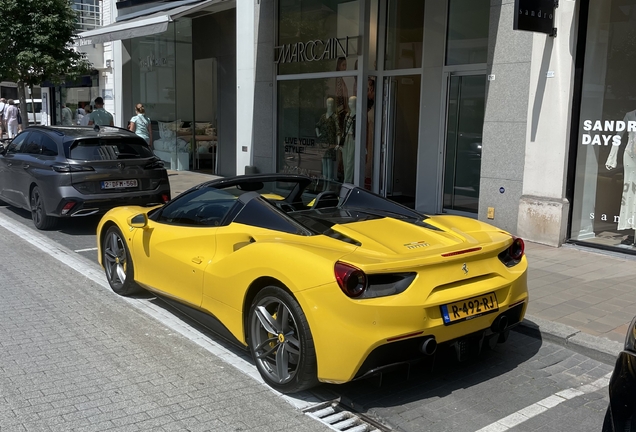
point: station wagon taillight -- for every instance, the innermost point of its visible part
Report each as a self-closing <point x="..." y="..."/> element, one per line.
<point x="71" y="168"/>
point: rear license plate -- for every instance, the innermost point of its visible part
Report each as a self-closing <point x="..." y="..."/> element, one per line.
<point x="119" y="184"/>
<point x="469" y="308"/>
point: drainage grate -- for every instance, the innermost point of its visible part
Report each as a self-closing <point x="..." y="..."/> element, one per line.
<point x="338" y="419"/>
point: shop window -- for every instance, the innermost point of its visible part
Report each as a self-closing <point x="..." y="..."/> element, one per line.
<point x="317" y="36"/>
<point x="313" y="116"/>
<point x="604" y="204"/>
<point x="404" y="34"/>
<point x="467" y="39"/>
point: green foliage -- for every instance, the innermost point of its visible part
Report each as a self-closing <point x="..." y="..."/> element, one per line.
<point x="36" y="39"/>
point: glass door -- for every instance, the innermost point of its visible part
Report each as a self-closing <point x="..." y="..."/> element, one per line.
<point x="464" y="128"/>
<point x="399" y="141"/>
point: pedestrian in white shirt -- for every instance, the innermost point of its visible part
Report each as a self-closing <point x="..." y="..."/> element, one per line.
<point x="11" y="117"/>
<point x="84" y="120"/>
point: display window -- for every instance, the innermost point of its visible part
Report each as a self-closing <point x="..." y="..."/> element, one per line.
<point x="316" y="127"/>
<point x="314" y="34"/>
<point x="316" y="112"/>
<point x="604" y="204"/>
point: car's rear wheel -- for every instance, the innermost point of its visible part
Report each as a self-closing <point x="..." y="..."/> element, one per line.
<point x="41" y="220"/>
<point x="118" y="263"/>
<point x="280" y="341"/>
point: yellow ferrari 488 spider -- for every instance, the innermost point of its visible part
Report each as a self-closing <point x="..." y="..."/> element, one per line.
<point x="321" y="281"/>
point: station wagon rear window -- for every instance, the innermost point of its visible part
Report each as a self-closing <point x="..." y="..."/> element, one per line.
<point x="94" y="149"/>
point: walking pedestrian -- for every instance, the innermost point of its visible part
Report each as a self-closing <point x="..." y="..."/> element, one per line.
<point x="100" y="116"/>
<point x="140" y="124"/>
<point x="11" y="117"/>
<point x="3" y="106"/>
<point x="67" y="116"/>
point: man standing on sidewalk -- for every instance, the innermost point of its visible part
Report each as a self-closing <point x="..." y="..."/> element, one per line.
<point x="100" y="116"/>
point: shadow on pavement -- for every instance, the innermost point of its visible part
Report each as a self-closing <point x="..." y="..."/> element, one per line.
<point x="429" y="379"/>
<point x="437" y="377"/>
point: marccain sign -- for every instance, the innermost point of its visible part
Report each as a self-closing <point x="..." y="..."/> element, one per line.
<point x="314" y="50"/>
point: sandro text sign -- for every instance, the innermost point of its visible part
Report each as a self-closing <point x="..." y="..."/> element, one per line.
<point x="535" y="16"/>
<point x="314" y="50"/>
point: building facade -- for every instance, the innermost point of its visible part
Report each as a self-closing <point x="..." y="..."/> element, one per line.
<point x="442" y="105"/>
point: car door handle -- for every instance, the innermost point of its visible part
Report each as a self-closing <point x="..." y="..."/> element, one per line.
<point x="197" y="260"/>
<point x="9" y="164"/>
<point x="26" y="166"/>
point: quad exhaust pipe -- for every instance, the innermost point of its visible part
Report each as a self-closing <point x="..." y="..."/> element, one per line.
<point x="429" y="346"/>
<point x="499" y="324"/>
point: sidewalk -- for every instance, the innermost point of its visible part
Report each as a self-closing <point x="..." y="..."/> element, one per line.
<point x="579" y="297"/>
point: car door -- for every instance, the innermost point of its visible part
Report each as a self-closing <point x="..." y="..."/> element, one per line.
<point x="174" y="249"/>
<point x="10" y="164"/>
<point x="32" y="164"/>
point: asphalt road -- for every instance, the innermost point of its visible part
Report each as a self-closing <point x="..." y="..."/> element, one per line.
<point x="60" y="331"/>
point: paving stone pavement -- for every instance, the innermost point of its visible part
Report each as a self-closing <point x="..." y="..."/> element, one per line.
<point x="75" y="357"/>
<point x="580" y="297"/>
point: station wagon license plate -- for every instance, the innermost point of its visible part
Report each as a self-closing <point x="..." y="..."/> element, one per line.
<point x="469" y="308"/>
<point x="119" y="184"/>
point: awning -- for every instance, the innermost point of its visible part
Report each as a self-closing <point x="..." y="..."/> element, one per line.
<point x="150" y="24"/>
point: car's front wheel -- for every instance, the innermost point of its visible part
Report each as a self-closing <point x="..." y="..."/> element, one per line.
<point x="118" y="263"/>
<point x="41" y="220"/>
<point x="280" y="341"/>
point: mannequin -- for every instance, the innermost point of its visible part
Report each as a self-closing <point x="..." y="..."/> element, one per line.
<point x="348" y="141"/>
<point x="327" y="131"/>
<point x="628" y="204"/>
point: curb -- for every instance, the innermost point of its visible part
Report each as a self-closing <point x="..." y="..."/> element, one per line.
<point x="594" y="347"/>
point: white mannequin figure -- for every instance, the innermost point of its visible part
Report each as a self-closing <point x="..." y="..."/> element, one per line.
<point x="628" y="204"/>
<point x="349" y="135"/>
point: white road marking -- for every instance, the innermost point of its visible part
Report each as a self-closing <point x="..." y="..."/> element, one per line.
<point x="96" y="274"/>
<point x="533" y="410"/>
<point x="85" y="250"/>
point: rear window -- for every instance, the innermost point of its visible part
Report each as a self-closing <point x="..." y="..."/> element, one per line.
<point x="94" y="149"/>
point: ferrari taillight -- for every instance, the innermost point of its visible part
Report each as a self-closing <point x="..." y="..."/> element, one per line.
<point x="513" y="254"/>
<point x="517" y="248"/>
<point x="351" y="280"/>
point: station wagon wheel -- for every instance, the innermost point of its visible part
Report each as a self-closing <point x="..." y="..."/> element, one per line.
<point x="41" y="220"/>
<point x="118" y="263"/>
<point x="281" y="342"/>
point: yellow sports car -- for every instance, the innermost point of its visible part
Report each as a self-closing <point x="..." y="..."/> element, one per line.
<point x="321" y="281"/>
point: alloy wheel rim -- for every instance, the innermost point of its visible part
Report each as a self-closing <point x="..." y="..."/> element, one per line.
<point x="36" y="207"/>
<point x="275" y="339"/>
<point x="115" y="259"/>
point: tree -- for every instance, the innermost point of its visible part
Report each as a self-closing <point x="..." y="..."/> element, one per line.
<point x="36" y="44"/>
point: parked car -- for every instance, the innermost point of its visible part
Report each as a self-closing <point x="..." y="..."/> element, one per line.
<point x="70" y="171"/>
<point x="35" y="107"/>
<point x="621" y="412"/>
<point x="321" y="281"/>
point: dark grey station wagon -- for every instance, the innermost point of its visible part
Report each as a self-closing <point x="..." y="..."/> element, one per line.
<point x="70" y="171"/>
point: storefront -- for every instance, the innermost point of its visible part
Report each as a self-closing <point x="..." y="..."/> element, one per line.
<point x="604" y="202"/>
<point x="388" y="95"/>
<point x="182" y="68"/>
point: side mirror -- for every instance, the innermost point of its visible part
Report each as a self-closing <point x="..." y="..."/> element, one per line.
<point x="3" y="149"/>
<point x="138" y="221"/>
